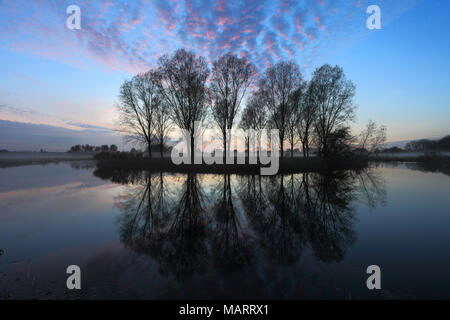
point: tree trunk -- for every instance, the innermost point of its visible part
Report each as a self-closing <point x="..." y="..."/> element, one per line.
<point x="149" y="146"/>
<point x="282" y="143"/>
<point x="282" y="148"/>
<point x="224" y="149"/>
<point x="228" y="143"/>
<point x="192" y="148"/>
<point x="161" y="149"/>
<point x="307" y="148"/>
<point x="247" y="153"/>
<point x="259" y="148"/>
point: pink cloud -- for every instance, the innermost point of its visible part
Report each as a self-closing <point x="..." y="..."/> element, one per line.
<point x="129" y="36"/>
<point x="317" y="20"/>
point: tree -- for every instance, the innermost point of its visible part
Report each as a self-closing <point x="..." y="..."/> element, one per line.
<point x="182" y="82"/>
<point x="231" y="77"/>
<point x="278" y="85"/>
<point x="76" y="148"/>
<point x="113" y="148"/>
<point x="429" y="145"/>
<point x="295" y="116"/>
<point x="254" y="116"/>
<point x="444" y="143"/>
<point x="291" y="125"/>
<point x="418" y="145"/>
<point x="372" y="138"/>
<point x="139" y="98"/>
<point x="333" y="96"/>
<point x="87" y="148"/>
<point x="246" y="124"/>
<point x="162" y="125"/>
<point x="339" y="143"/>
<point x="306" y="115"/>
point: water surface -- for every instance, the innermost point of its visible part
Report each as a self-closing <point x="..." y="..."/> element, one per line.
<point x="165" y="236"/>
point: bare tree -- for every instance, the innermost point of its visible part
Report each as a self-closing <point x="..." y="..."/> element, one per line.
<point x="138" y="100"/>
<point x="333" y="96"/>
<point x="162" y="125"/>
<point x="296" y="109"/>
<point x="291" y="123"/>
<point x="254" y="116"/>
<point x="182" y="79"/>
<point x="231" y="77"/>
<point x="245" y="124"/>
<point x="278" y="85"/>
<point x="372" y="138"/>
<point x="306" y="115"/>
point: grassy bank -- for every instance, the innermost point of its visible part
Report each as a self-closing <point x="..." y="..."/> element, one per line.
<point x="287" y="165"/>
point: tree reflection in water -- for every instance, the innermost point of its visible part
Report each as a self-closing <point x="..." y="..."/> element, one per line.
<point x="188" y="226"/>
<point x="277" y="221"/>
<point x="230" y="242"/>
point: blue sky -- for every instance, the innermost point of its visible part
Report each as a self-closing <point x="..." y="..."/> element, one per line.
<point x="71" y="78"/>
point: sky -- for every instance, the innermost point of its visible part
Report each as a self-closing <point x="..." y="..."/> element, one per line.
<point x="51" y="75"/>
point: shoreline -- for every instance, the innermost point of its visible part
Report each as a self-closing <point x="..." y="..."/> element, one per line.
<point x="286" y="165"/>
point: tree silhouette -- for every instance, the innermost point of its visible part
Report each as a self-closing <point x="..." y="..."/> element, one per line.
<point x="231" y="77"/>
<point x="278" y="86"/>
<point x="333" y="94"/>
<point x="182" y="82"/>
<point x="138" y="100"/>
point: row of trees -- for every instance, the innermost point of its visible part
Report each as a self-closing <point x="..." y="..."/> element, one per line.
<point x="311" y="113"/>
<point x="182" y="90"/>
<point x="89" y="148"/>
<point x="429" y="145"/>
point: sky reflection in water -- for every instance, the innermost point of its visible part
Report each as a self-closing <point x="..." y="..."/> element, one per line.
<point x="137" y="235"/>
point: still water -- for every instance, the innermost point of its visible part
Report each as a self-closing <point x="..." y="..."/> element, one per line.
<point x="175" y="236"/>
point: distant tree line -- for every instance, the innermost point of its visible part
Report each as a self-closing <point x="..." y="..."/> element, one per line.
<point x="182" y="91"/>
<point x="392" y="150"/>
<point x="89" y="148"/>
<point x="429" y="145"/>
